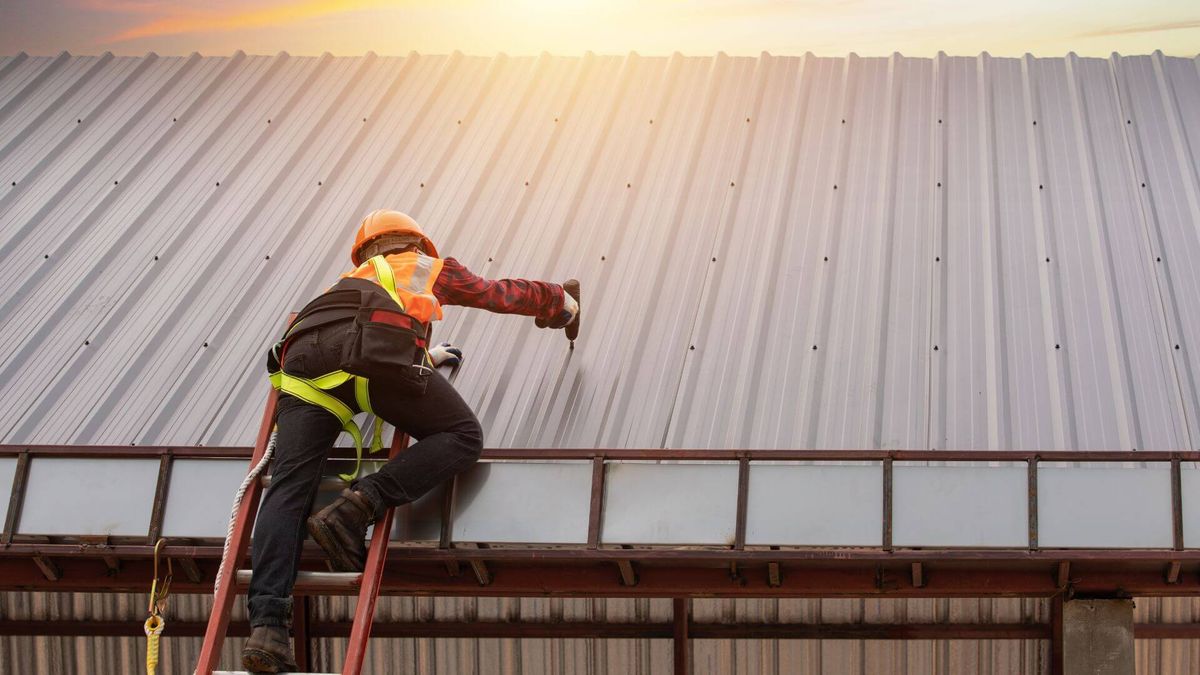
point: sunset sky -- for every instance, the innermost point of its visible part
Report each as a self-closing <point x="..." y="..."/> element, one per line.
<point x="651" y="27"/>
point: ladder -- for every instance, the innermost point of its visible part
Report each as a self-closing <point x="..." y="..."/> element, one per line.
<point x="368" y="581"/>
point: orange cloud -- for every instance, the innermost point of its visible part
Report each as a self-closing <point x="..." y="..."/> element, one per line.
<point x="1151" y="28"/>
<point x="213" y="21"/>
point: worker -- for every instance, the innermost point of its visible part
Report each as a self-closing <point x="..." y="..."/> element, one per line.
<point x="374" y="321"/>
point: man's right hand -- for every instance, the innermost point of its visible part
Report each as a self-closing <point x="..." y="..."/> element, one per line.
<point x="565" y="316"/>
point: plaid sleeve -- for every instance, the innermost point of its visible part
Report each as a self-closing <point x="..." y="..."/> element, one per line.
<point x="457" y="285"/>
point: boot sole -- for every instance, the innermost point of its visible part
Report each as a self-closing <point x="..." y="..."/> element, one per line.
<point x="329" y="543"/>
<point x="258" y="661"/>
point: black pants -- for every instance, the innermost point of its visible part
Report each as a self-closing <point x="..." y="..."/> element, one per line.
<point x="449" y="440"/>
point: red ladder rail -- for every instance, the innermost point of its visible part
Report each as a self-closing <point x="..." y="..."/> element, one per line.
<point x="218" y="620"/>
<point x="368" y="590"/>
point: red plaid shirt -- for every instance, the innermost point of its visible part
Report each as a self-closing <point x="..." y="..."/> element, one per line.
<point x="457" y="285"/>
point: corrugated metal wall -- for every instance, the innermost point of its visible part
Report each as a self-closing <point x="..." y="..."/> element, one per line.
<point x="394" y="656"/>
<point x="777" y="252"/>
<point x="960" y="252"/>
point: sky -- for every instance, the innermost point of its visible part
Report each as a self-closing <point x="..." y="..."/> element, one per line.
<point x="572" y="27"/>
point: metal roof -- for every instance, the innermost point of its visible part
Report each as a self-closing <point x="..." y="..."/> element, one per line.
<point x="776" y="252"/>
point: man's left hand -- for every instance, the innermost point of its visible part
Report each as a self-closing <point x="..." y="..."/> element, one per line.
<point x="446" y="354"/>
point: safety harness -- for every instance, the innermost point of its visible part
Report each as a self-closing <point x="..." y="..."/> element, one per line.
<point x="315" y="391"/>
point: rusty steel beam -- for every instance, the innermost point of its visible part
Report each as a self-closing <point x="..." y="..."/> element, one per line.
<point x="49" y="569"/>
<point x="596" y="579"/>
<point x="16" y="499"/>
<point x="602" y="630"/>
<point x="712" y="554"/>
<point x="681" y="619"/>
<point x="596" y="503"/>
<point x="599" y="630"/>
<point x="731" y="455"/>
<point x="1057" y="664"/>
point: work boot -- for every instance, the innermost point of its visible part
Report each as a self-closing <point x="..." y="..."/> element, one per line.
<point x="341" y="529"/>
<point x="269" y="651"/>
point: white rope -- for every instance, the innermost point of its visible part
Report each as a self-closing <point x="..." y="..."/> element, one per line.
<point x="237" y="503"/>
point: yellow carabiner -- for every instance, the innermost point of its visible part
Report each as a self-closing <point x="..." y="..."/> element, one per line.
<point x="158" y="604"/>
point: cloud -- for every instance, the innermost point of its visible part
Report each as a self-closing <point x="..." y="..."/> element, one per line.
<point x="178" y="22"/>
<point x="1145" y="28"/>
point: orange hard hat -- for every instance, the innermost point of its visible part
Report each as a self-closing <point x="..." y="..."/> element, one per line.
<point x="383" y="221"/>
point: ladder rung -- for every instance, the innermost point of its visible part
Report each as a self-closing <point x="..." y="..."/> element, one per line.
<point x="328" y="483"/>
<point x="315" y="581"/>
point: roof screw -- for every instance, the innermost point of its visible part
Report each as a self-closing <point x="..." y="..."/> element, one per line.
<point x="814" y="348"/>
<point x="826" y="258"/>
<point x="747" y="120"/>
<point x="156" y="257"/>
<point x="114" y="182"/>
<point x="1058" y="346"/>
<point x="843" y="121"/>
<point x="460" y="121"/>
<point x="1158" y="260"/>
<point x="526" y="183"/>
<point x="1035" y="123"/>
<point x="939" y="185"/>
<point x="206" y="344"/>
<point x="268" y="121"/>
<point x="422" y="185"/>
<point x="938" y="259"/>
<point x="1176" y="346"/>
<point x="218" y="183"/>
<point x="1040" y="187"/>
<point x="693" y="348"/>
<point x="834" y="187"/>
<point x="320" y="183"/>
<point x="1047" y="260"/>
<point x="364" y="119"/>
<point x="731" y="183"/>
<point x="1143" y="185"/>
<point x="268" y="257"/>
<point x="555" y="119"/>
<point x="935" y="348"/>
<point x="629" y="185"/>
<point x="87" y="342"/>
<point x="489" y="260"/>
<point x="46" y="257"/>
<point x="939" y="121"/>
<point x="714" y="259"/>
<point x="651" y="121"/>
<point x="174" y="119"/>
<point x="1128" y="121"/>
<point x="79" y="121"/>
<point x="602" y="258"/>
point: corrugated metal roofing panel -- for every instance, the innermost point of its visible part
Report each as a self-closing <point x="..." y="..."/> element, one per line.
<point x="878" y="226"/>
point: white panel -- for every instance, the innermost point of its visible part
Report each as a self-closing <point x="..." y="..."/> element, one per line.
<point x="960" y="506"/>
<point x="77" y="496"/>
<point x="670" y="504"/>
<point x="529" y="502"/>
<point x="1191" y="506"/>
<point x="1113" y="507"/>
<point x="200" y="496"/>
<point x="792" y="505"/>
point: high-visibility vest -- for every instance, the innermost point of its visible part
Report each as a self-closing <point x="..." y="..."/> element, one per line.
<point x="413" y="277"/>
<point x="408" y="278"/>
